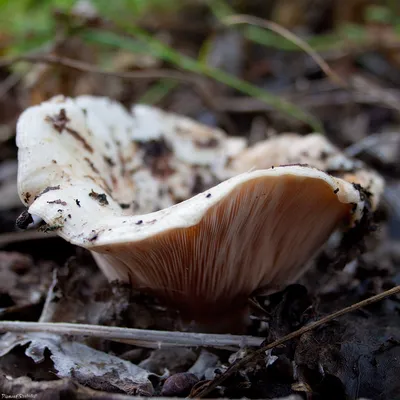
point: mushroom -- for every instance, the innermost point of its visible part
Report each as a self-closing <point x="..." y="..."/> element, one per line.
<point x="121" y="184"/>
<point x="313" y="150"/>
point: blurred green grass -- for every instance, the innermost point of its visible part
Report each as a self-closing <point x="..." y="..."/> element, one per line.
<point x="30" y="24"/>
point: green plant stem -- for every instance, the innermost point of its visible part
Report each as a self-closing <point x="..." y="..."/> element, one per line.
<point x="164" y="52"/>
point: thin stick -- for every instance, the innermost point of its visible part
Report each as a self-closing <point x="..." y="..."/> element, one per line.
<point x="144" y="74"/>
<point x="142" y="337"/>
<point x="85" y="67"/>
<point x="280" y="30"/>
<point x="14" y="237"/>
<point x="241" y="363"/>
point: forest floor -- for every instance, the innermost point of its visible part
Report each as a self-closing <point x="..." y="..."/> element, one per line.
<point x="236" y="78"/>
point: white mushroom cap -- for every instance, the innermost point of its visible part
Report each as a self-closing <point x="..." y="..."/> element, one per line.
<point x="79" y="160"/>
<point x="191" y="141"/>
<point x="314" y="150"/>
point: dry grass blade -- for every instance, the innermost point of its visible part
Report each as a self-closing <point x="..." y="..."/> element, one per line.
<point x="280" y="30"/>
<point x="241" y="363"/>
<point x="139" y="337"/>
<point x="183" y="77"/>
<point x="85" y="67"/>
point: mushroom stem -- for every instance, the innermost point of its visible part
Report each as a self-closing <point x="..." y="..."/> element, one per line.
<point x="234" y="321"/>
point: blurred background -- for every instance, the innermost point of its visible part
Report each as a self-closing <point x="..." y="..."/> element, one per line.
<point x="255" y="68"/>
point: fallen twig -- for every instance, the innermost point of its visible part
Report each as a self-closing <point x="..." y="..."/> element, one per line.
<point x="183" y="77"/>
<point x="308" y="100"/>
<point x="86" y="67"/>
<point x="204" y="391"/>
<point x="14" y="237"/>
<point x="138" y="337"/>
